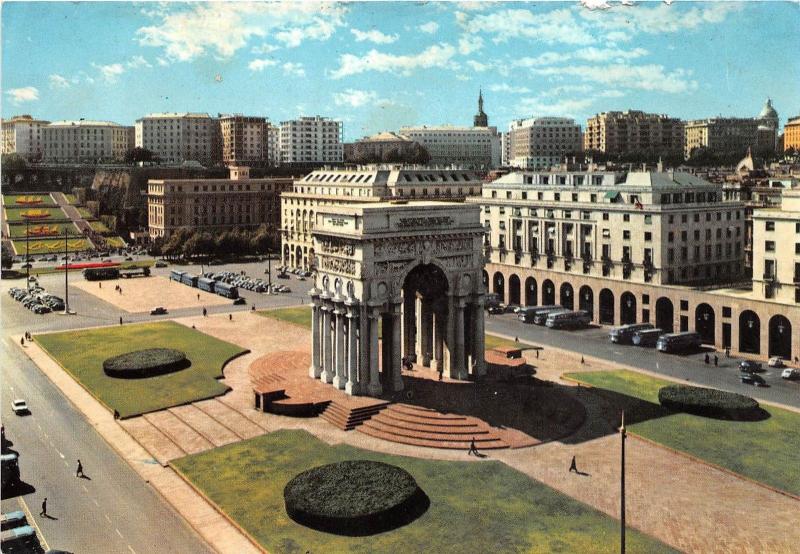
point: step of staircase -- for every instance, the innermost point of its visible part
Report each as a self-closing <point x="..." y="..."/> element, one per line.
<point x="489" y="444"/>
<point x="348" y="418"/>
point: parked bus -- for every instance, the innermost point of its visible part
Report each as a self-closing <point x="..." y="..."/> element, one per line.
<point x="20" y="539"/>
<point x="646" y="337"/>
<point x="678" y="342"/>
<point x="570" y="320"/>
<point x="189" y="279"/>
<point x="176" y="275"/>
<point x="491" y="299"/>
<point x="100" y="273"/>
<point x="9" y="520"/>
<point x="528" y="313"/>
<point x="539" y="315"/>
<point x="9" y="472"/>
<point x="624" y="334"/>
<point x="206" y="284"/>
<point x="129" y="272"/>
<point x="226" y="290"/>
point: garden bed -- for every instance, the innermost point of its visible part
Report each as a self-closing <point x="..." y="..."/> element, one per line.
<point x="141" y="364"/>
<point x="709" y="403"/>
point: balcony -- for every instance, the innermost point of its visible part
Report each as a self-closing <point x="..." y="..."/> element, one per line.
<point x="770" y="277"/>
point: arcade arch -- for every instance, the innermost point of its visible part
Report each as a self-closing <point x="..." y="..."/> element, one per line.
<point x="665" y="315"/>
<point x="567" y="296"/>
<point x="548" y="293"/>
<point x="586" y="299"/>
<point x="606" y="307"/>
<point x="530" y="291"/>
<point x="513" y="289"/>
<point x="627" y="308"/>
<point x="780" y="337"/>
<point x="749" y="332"/>
<point x="704" y="322"/>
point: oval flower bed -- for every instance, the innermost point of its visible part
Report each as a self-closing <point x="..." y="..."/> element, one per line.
<point x="145" y="363"/>
<point x="43" y="231"/>
<point x="28" y="200"/>
<point x="35" y="214"/>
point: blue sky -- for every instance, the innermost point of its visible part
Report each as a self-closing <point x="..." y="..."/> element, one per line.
<point x="380" y="65"/>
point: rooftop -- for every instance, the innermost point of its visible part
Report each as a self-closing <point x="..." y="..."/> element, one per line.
<point x="84" y="123"/>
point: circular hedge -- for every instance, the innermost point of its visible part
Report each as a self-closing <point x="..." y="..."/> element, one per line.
<point x="145" y="363"/>
<point x="708" y="402"/>
<point x="354" y="498"/>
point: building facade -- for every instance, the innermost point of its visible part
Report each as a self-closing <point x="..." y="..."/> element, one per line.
<point x="542" y="142"/>
<point x="468" y="147"/>
<point x="22" y="135"/>
<point x="180" y="137"/>
<point x="634" y="132"/>
<point x="776" y="250"/>
<point x="379" y="147"/>
<point x="214" y="205"/>
<point x="311" y="140"/>
<point x="361" y="186"/>
<point x="86" y="141"/>
<point x="273" y="145"/>
<point x="723" y="135"/>
<point x="244" y="140"/>
<point x="791" y="134"/>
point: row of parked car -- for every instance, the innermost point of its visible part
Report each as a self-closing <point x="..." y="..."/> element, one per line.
<point x="36" y="299"/>
<point x="244" y="281"/>
<point x="284" y="271"/>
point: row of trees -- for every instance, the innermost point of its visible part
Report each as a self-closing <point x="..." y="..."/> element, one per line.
<point x="190" y="243"/>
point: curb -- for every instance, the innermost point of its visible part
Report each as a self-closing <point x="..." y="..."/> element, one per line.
<point x="219" y="510"/>
<point x="695" y="458"/>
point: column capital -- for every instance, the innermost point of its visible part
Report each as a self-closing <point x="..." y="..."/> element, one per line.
<point x="374" y="313"/>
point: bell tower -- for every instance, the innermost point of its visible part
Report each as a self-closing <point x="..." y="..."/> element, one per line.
<point x="480" y="119"/>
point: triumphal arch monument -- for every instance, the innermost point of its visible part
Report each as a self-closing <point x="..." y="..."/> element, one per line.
<point x="396" y="280"/>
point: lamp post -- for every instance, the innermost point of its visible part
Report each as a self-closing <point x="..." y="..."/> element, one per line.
<point x="269" y="272"/>
<point x="27" y="253"/>
<point x="622" y="437"/>
<point x="66" y="271"/>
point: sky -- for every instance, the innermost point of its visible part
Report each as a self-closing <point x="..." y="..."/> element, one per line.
<point x="380" y="65"/>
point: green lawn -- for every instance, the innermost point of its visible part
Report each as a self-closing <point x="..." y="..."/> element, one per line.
<point x="50" y="246"/>
<point x="765" y="451"/>
<point x="82" y="353"/>
<point x="85" y="213"/>
<point x="55" y="214"/>
<point x="17" y="230"/>
<point x="47" y="270"/>
<point x="115" y="242"/>
<point x="71" y="199"/>
<point x="12" y="200"/>
<point x="475" y="507"/>
<point x="99" y="227"/>
<point x="493" y="341"/>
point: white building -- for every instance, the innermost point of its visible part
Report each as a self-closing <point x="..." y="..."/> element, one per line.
<point x="542" y="142"/>
<point x="273" y="145"/>
<point x="86" y="141"/>
<point x="23" y="135"/>
<point x="178" y="137"/>
<point x="243" y="140"/>
<point x="311" y="140"/>
<point x="471" y="147"/>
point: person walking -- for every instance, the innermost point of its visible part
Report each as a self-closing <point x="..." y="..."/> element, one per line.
<point x="44" y="507"/>
<point x="441" y="373"/>
<point x="22" y="341"/>
<point x="472" y="448"/>
<point x="120" y="320"/>
<point x="582" y="360"/>
<point x="727" y="351"/>
<point x="537" y="353"/>
<point x="205" y="312"/>
<point x="706" y="359"/>
<point x="230" y="317"/>
<point x="716" y="360"/>
<point x="79" y="470"/>
<point x="100" y="285"/>
<point x="573" y="466"/>
<point x="198" y="296"/>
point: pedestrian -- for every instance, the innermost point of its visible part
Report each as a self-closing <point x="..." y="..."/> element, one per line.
<point x="79" y="471"/>
<point x="230" y="317"/>
<point x="44" y="507"/>
<point x="573" y="466"/>
<point x="120" y="320"/>
<point x="253" y="308"/>
<point x="100" y="285"/>
<point x="198" y="296"/>
<point x="716" y="360"/>
<point x="472" y="448"/>
<point x="707" y="359"/>
<point x="516" y="339"/>
<point x="22" y="341"/>
<point x="441" y="373"/>
<point x="116" y="414"/>
<point x="727" y="351"/>
<point x="582" y="360"/>
<point x="537" y="353"/>
<point x="205" y="312"/>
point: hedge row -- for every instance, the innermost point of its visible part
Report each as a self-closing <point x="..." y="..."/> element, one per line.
<point x="708" y="402"/>
<point x="145" y="363"/>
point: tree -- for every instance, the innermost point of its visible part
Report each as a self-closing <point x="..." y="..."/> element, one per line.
<point x="7" y="257"/>
<point x="138" y="154"/>
<point x="13" y="162"/>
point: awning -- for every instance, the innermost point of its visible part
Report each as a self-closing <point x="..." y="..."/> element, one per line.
<point x="612" y="194"/>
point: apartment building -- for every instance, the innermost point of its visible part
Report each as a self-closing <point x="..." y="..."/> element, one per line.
<point x="311" y="140"/>
<point x="214" y="205"/>
<point x="180" y="137"/>
<point x="791" y="134"/>
<point x="244" y="140"/>
<point x="776" y="249"/>
<point x="22" y="135"/>
<point x="542" y="142"/>
<point x="634" y="132"/>
<point x="734" y="134"/>
<point x="468" y="147"/>
<point x="86" y="141"/>
<point x="362" y="185"/>
<point x="273" y="145"/>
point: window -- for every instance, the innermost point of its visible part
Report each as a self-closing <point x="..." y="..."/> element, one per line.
<point x="697" y="218"/>
<point x="626" y="235"/>
<point x="670" y="236"/>
<point x="494" y="194"/>
<point x="648" y="236"/>
<point x="684" y="305"/>
<point x="684" y="218"/>
<point x="605" y="216"/>
<point x="508" y="194"/>
<point x="557" y="196"/>
<point x="769" y="226"/>
<point x="648" y="219"/>
<point x="524" y="195"/>
<point x="769" y="245"/>
<point x="726" y="311"/>
<point x="683" y="236"/>
<point x="696" y="234"/>
<point x="797" y="248"/>
<point x="606" y="234"/>
<point x="574" y="196"/>
<point x="626" y="217"/>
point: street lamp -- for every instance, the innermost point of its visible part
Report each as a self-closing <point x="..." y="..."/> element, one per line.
<point x="622" y="436"/>
<point x="629" y="303"/>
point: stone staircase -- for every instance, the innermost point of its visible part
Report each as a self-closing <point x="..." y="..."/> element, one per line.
<point x="346" y="417"/>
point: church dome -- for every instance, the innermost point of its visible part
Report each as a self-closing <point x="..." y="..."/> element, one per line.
<point x="768" y="112"/>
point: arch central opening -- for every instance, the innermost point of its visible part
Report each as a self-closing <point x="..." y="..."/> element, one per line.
<point x="425" y="315"/>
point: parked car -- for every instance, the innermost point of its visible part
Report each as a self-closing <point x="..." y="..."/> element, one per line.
<point x="128" y="259"/>
<point x="19" y="407"/>
<point x="160" y="310"/>
<point x="748" y="366"/>
<point x="776" y="361"/>
<point x="752" y="379"/>
<point x="27" y="266"/>
<point x="239" y="301"/>
<point x="495" y="309"/>
<point x="790" y="373"/>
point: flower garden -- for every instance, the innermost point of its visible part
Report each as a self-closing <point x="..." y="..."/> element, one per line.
<point x="24" y="200"/>
<point x="41" y="230"/>
<point x="17" y="214"/>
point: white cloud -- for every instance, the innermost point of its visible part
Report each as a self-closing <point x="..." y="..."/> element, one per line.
<point x="505" y="87"/>
<point x="264" y="48"/>
<point x="110" y="72"/>
<point x="438" y="55"/>
<point x="564" y="107"/>
<point x="355" y="98"/>
<point x="642" y="77"/>
<point x="57" y="81"/>
<point x="430" y="27"/>
<point x="261" y="64"/>
<point x="137" y="62"/>
<point x="478" y="66"/>
<point x="24" y="94"/>
<point x="589" y="54"/>
<point x="162" y="62"/>
<point x="661" y="18"/>
<point x="546" y="58"/>
<point x="554" y="26"/>
<point x="468" y="44"/>
<point x="595" y="4"/>
<point x="373" y="35"/>
<point x="618" y="36"/>
<point x="187" y="31"/>
<point x="294" y="69"/>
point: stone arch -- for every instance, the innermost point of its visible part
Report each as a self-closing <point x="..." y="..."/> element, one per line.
<point x="548" y="293"/>
<point x="665" y="314"/>
<point x="298" y="256"/>
<point x="586" y="299"/>
<point x="285" y="256"/>
<point x="606" y="307"/>
<point x="780" y="337"/>
<point x="705" y="322"/>
<point x="513" y="289"/>
<point x="627" y="308"/>
<point x="530" y="291"/>
<point x="567" y="296"/>
<point x="400" y="278"/>
<point x="499" y="285"/>
<point x="749" y="332"/>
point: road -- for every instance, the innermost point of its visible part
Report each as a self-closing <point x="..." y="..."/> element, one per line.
<point x="594" y="342"/>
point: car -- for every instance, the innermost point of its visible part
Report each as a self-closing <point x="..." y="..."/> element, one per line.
<point x="128" y="259"/>
<point x="160" y="310"/>
<point x="19" y="407"/>
<point x="790" y="373"/>
<point x="286" y="289"/>
<point x="27" y="266"/>
<point x="749" y="366"/>
<point x="301" y="278"/>
<point x="159" y="263"/>
<point x="776" y="361"/>
<point x="752" y="379"/>
<point x="496" y="309"/>
<point x="239" y="301"/>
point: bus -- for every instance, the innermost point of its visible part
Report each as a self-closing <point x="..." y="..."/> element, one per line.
<point x="528" y="313"/>
<point x="624" y="334"/>
<point x="646" y="337"/>
<point x="129" y="272"/>
<point x="226" y="290"/>
<point x="678" y="342"/>
<point x="579" y="319"/>
<point x="100" y="273"/>
<point x="206" y="284"/>
<point x="10" y="520"/>
<point x="539" y="315"/>
<point x="20" y="539"/>
<point x="490" y="299"/>
<point x="176" y="275"/>
<point x="10" y="468"/>
<point x="189" y="279"/>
